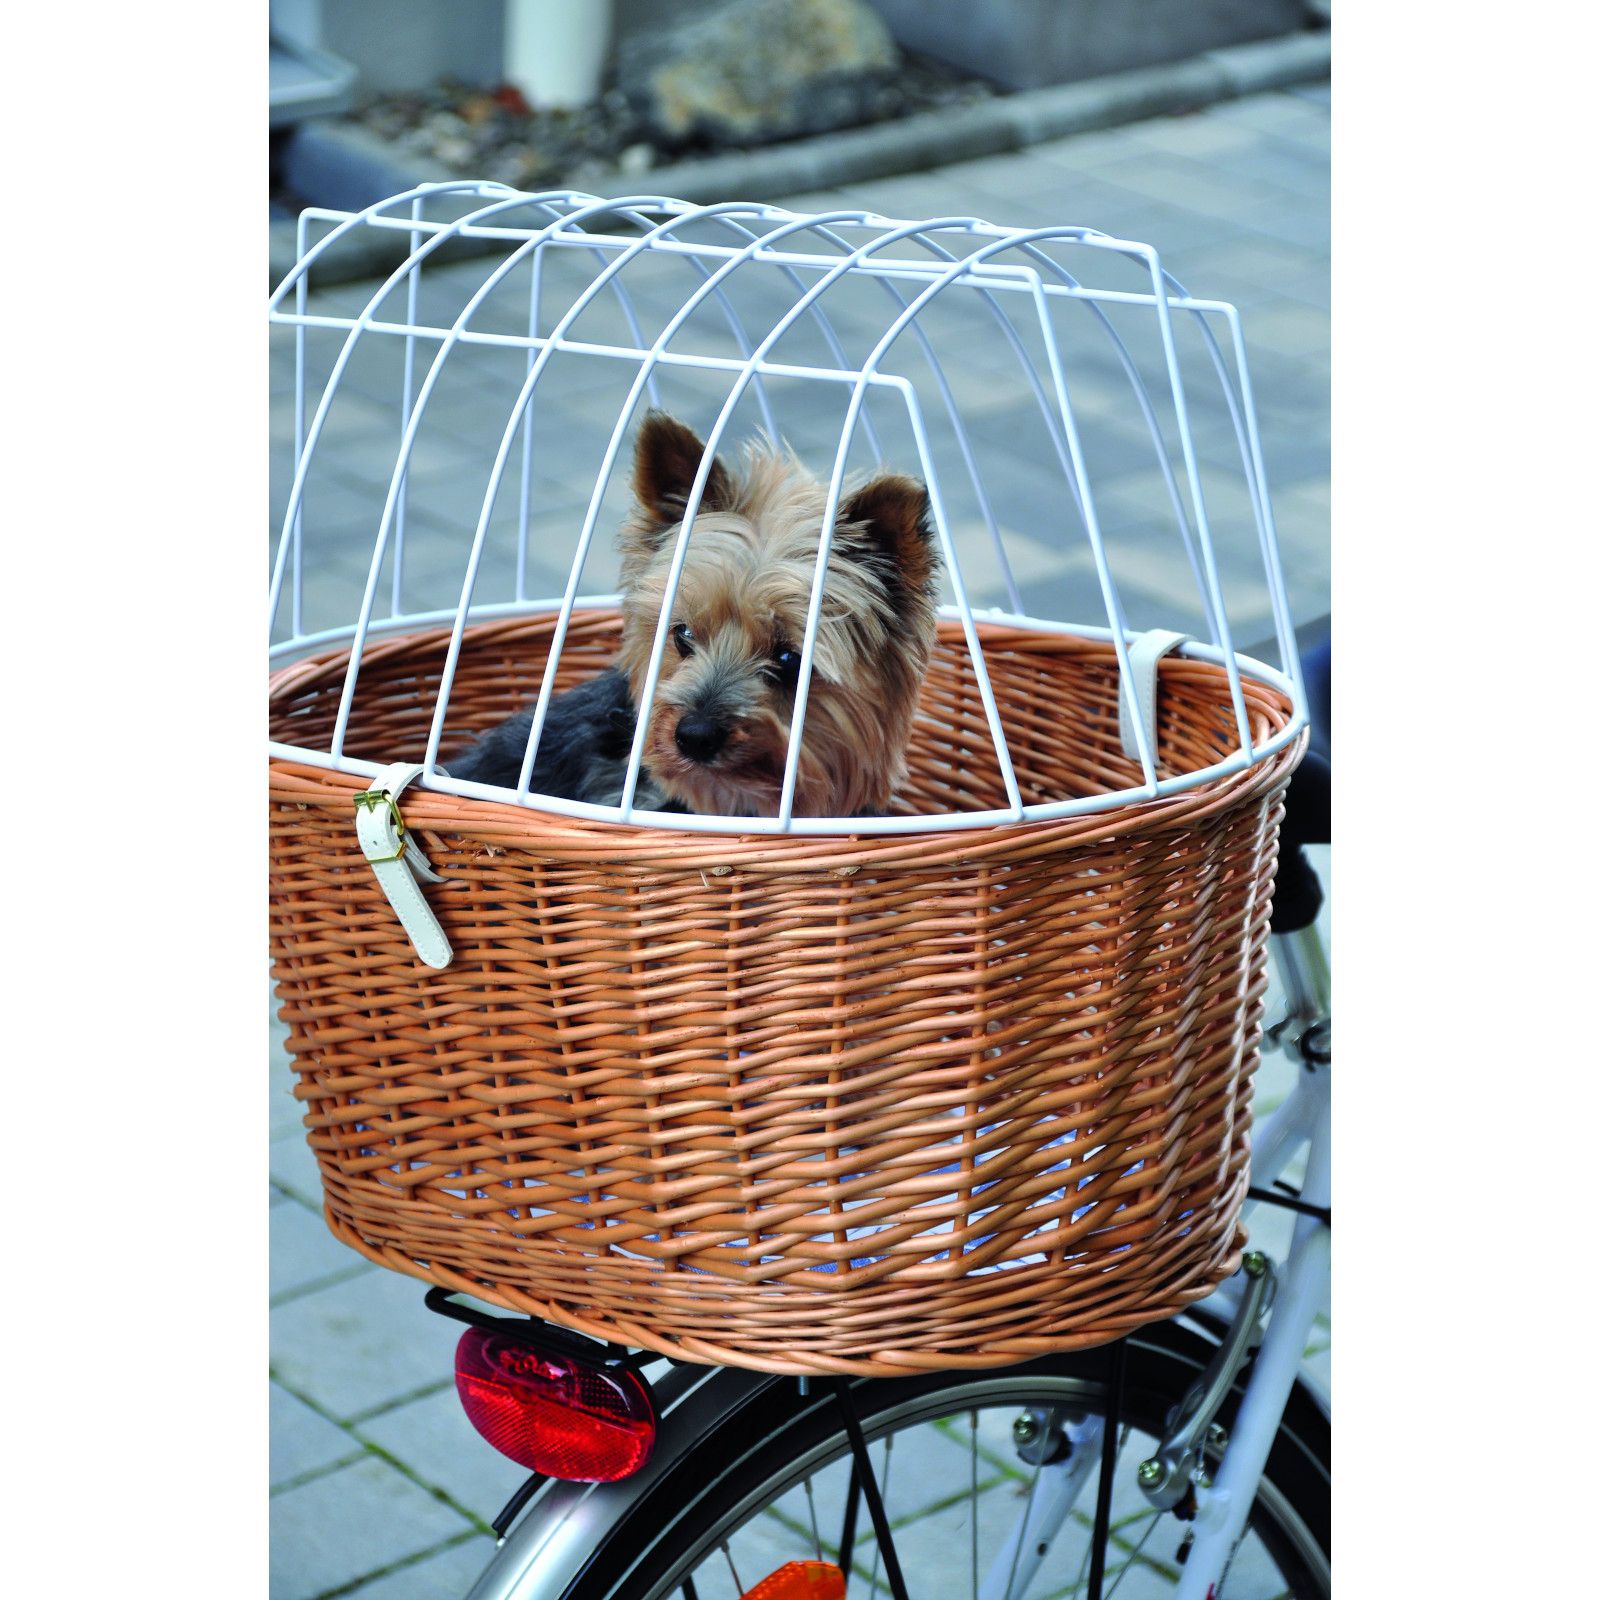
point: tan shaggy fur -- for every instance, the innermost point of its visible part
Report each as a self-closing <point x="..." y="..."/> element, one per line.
<point x="743" y="596"/>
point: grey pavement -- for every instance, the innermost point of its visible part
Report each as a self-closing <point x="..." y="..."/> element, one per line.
<point x="380" y="1489"/>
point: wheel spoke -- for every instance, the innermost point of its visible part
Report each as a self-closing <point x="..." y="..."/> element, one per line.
<point x="878" y="1545"/>
<point x="811" y="1506"/>
<point x="1123" y="1570"/>
<point x="1037" y="1508"/>
<point x="972" y="1429"/>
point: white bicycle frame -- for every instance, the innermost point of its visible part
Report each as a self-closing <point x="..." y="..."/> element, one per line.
<point x="544" y="1552"/>
<point x="1301" y="1123"/>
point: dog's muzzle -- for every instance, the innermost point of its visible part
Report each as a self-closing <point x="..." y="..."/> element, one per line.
<point x="700" y="737"/>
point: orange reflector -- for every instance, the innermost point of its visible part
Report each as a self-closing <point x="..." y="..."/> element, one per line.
<point x="800" y="1580"/>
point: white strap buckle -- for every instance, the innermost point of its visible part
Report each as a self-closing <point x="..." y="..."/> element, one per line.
<point x="398" y="861"/>
<point x="1138" y="698"/>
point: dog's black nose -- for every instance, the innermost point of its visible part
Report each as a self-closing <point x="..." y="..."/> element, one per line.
<point x="700" y="737"/>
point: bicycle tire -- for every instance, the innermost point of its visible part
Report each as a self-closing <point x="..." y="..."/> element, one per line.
<point x="755" y="1455"/>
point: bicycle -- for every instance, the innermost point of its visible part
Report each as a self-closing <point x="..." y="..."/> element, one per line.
<point x="1227" y="1436"/>
<point x="1230" y="1438"/>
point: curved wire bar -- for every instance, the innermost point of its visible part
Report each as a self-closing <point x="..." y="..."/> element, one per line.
<point x="296" y="612"/>
<point x="1160" y="280"/>
<point x="735" y="325"/>
<point x="741" y="339"/>
<point x="1147" y="411"/>
<point x="641" y="382"/>
<point x="963" y="442"/>
<point x="1191" y="463"/>
<point x="1246" y="434"/>
<point x="1108" y="588"/>
<point x="408" y="377"/>
<point x="409" y="267"/>
<point x="535" y="295"/>
<point x="602" y="478"/>
<point x="697" y="489"/>
<point x="408" y="440"/>
<point x="1266" y="525"/>
<point x="978" y="271"/>
<point x="552" y="660"/>
<point x="306" y="259"/>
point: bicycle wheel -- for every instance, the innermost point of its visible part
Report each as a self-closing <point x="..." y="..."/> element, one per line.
<point x="773" y="1484"/>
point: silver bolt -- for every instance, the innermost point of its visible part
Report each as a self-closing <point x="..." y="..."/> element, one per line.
<point x="1254" y="1263"/>
<point x="1025" y="1429"/>
<point x="1152" y="1474"/>
<point x="1217" y="1437"/>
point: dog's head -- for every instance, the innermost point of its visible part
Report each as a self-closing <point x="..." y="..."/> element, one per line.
<point x="719" y="728"/>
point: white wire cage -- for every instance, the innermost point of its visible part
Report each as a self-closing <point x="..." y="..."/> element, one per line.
<point x="864" y="342"/>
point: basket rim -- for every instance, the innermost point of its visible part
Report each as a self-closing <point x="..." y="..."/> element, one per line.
<point x="573" y="829"/>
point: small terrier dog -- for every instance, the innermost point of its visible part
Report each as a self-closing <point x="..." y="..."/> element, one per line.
<point x="719" y="726"/>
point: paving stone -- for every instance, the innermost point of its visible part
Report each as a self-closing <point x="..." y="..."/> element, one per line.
<point x="301" y="1439"/>
<point x="1297" y="168"/>
<point x="1219" y="189"/>
<point x="1244" y="270"/>
<point x="1173" y="232"/>
<point x="1288" y="329"/>
<point x="1275" y="111"/>
<point x="291" y="1163"/>
<point x="302" y="1251"/>
<point x="1313" y="288"/>
<point x="362" y="1344"/>
<point x="433" y="1437"/>
<point x="284" y="1110"/>
<point x="360" y="1519"/>
<point x="1299" y="222"/>
<point x="444" y="1576"/>
<point x="1200" y="136"/>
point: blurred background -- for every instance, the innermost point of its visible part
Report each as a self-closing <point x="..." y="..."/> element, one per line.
<point x="1198" y="126"/>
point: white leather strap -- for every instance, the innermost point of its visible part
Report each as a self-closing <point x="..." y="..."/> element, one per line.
<point x="398" y="861"/>
<point x="1145" y="650"/>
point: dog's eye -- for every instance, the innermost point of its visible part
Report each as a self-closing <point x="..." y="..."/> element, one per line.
<point x="683" y="637"/>
<point x="787" y="664"/>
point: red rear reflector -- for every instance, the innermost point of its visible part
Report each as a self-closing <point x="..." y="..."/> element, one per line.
<point x="552" y="1414"/>
<point x="800" y="1580"/>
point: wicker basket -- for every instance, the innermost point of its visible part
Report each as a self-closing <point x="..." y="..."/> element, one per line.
<point x="854" y="1105"/>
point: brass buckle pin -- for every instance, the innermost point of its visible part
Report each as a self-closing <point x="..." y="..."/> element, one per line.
<point x="370" y="800"/>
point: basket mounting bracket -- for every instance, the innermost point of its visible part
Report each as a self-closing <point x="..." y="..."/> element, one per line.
<point x="398" y="861"/>
<point x="1138" y="698"/>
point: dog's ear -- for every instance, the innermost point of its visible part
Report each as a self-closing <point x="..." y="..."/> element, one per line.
<point x="666" y="457"/>
<point x="894" y="516"/>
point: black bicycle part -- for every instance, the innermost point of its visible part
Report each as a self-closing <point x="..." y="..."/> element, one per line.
<point x="758" y="1437"/>
<point x="869" y="1487"/>
<point x="1307" y="812"/>
<point x="852" y="1508"/>
<point x="1291" y="1202"/>
<point x="1116" y="1378"/>
<point x="541" y="1335"/>
<point x="520" y="1496"/>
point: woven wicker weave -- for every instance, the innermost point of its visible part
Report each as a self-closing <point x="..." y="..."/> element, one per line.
<point x="854" y="1105"/>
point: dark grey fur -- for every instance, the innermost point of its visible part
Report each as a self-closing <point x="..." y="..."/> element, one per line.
<point x="583" y="750"/>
